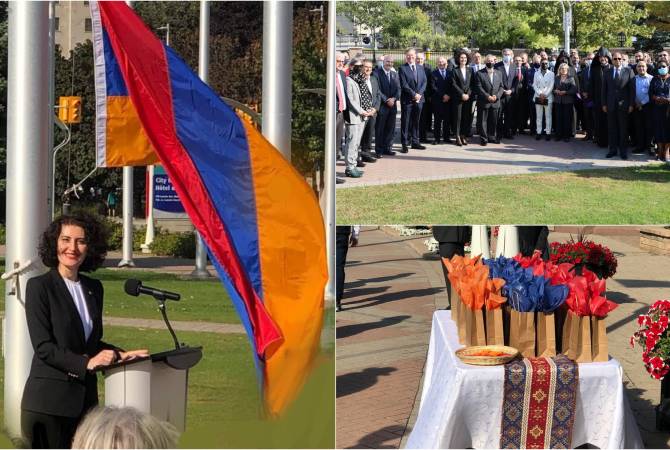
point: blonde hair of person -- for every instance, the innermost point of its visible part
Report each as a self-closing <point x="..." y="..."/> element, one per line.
<point x="563" y="66"/>
<point x="125" y="427"/>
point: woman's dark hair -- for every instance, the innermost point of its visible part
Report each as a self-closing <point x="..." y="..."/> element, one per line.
<point x="457" y="57"/>
<point x="96" y="241"/>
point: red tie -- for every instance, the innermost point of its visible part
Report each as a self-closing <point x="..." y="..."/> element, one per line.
<point x="340" y="106"/>
<point x="518" y="73"/>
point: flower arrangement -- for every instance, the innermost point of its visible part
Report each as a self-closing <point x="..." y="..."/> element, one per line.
<point x="584" y="253"/>
<point x="654" y="340"/>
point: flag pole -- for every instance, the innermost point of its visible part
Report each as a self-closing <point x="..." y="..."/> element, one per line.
<point x="200" y="270"/>
<point x="127" y="243"/>
<point x="329" y="165"/>
<point x="28" y="124"/>
<point x="277" y="74"/>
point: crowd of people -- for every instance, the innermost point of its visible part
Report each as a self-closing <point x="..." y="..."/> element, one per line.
<point x="615" y="102"/>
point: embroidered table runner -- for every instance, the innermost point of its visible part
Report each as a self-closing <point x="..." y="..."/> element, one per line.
<point x="539" y="403"/>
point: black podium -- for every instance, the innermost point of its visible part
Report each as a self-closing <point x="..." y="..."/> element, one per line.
<point x="157" y="384"/>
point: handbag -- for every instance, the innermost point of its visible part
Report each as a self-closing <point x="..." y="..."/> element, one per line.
<point x="540" y="101"/>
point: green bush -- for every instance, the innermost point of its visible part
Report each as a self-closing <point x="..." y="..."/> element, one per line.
<point x="3" y="231"/>
<point x="114" y="233"/>
<point x="179" y="245"/>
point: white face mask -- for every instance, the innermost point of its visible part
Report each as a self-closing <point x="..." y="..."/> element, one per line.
<point x="507" y="59"/>
<point x="588" y="62"/>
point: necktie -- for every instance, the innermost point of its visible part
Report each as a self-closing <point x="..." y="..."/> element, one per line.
<point x="442" y="72"/>
<point x="340" y="94"/>
<point x="616" y="73"/>
<point x="518" y="73"/>
<point x="414" y="71"/>
<point x="388" y="75"/>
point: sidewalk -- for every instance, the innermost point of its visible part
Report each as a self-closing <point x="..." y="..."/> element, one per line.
<point x="522" y="155"/>
<point x="384" y="329"/>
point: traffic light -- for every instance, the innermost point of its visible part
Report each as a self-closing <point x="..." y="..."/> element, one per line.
<point x="74" y="110"/>
<point x="63" y="107"/>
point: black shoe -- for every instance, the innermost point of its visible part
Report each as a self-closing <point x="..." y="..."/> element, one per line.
<point x="436" y="142"/>
<point x="339" y="180"/>
<point x="557" y="138"/>
<point x="464" y="140"/>
<point x="538" y="137"/>
<point x="360" y="164"/>
<point x="389" y="152"/>
<point x="566" y="140"/>
<point x="496" y="141"/>
<point x="459" y="142"/>
<point x="379" y="155"/>
<point x="547" y="137"/>
<point x="610" y="155"/>
<point x="624" y="156"/>
<point x="483" y="142"/>
<point x="368" y="157"/>
<point x="338" y="308"/>
<point x="404" y="149"/>
<point x="418" y="147"/>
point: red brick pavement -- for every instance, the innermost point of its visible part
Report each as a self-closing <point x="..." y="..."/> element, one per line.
<point x="383" y="332"/>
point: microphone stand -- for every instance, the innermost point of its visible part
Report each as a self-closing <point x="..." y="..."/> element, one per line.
<point x="161" y="306"/>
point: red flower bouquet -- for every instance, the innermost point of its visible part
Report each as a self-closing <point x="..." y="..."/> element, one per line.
<point x="654" y="339"/>
<point x="584" y="253"/>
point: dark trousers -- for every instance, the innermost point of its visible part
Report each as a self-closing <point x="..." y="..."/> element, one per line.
<point x="520" y="110"/>
<point x="409" y="123"/>
<point x="487" y="122"/>
<point x="461" y="116"/>
<point x="643" y="127"/>
<point x="447" y="250"/>
<point x="47" y="431"/>
<point x="564" y="120"/>
<point x="587" y="120"/>
<point x="441" y="127"/>
<point x="385" y="128"/>
<point x="339" y="133"/>
<point x="505" y="117"/>
<point x="341" y="249"/>
<point x="368" y="134"/>
<point x="532" y="113"/>
<point x="426" y="119"/>
<point x="617" y="130"/>
<point x="600" y="126"/>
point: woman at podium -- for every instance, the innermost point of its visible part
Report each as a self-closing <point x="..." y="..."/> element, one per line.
<point x="64" y="316"/>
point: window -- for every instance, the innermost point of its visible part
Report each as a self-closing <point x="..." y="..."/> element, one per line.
<point x="57" y="23"/>
<point x="87" y="25"/>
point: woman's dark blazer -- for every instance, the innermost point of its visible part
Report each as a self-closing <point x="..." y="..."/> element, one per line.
<point x="59" y="383"/>
<point x="460" y="86"/>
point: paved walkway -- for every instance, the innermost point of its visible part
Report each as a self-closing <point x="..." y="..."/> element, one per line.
<point x="383" y="332"/>
<point x="522" y="155"/>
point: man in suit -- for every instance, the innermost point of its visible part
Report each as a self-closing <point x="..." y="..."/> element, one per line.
<point x="426" y="121"/>
<point x="587" y="101"/>
<point x="441" y="79"/>
<point x="389" y="92"/>
<point x="369" y="131"/>
<point x="489" y="88"/>
<point x="529" y="77"/>
<point x="476" y="65"/>
<point x="619" y="93"/>
<point x="413" y="87"/>
<point x="341" y="106"/>
<point x="511" y="76"/>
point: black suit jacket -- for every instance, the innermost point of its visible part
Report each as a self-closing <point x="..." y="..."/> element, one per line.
<point x="485" y="88"/>
<point x="441" y="86"/>
<point x="388" y="90"/>
<point x="59" y="383"/>
<point x="376" y="96"/>
<point x="619" y="93"/>
<point x="509" y="82"/>
<point x="460" y="85"/>
<point x="410" y="86"/>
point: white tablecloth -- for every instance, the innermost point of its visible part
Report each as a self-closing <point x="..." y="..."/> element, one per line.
<point x="461" y="405"/>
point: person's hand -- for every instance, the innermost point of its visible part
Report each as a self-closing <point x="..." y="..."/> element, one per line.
<point x="495" y="98"/>
<point x="104" y="358"/>
<point x="390" y="102"/>
<point x="445" y="98"/>
<point x="465" y="97"/>
<point x="630" y="109"/>
<point x="353" y="241"/>
<point x="508" y="92"/>
<point x="132" y="354"/>
<point x="417" y="98"/>
<point x="585" y="95"/>
<point x="604" y="108"/>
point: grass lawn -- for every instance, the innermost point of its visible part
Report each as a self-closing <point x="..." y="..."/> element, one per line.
<point x="636" y="195"/>
<point x="223" y="401"/>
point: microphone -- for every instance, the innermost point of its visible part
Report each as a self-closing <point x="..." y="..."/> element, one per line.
<point x="134" y="287"/>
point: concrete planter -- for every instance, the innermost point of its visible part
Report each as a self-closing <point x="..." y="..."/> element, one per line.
<point x="655" y="240"/>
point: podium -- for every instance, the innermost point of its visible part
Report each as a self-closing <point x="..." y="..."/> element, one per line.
<point x="157" y="384"/>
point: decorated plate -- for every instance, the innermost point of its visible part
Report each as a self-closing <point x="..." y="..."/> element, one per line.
<point x="487" y="355"/>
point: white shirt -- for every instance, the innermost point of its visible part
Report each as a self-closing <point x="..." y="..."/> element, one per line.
<point x="506" y="66"/>
<point x="369" y="85"/>
<point x="463" y="69"/>
<point x="544" y="84"/>
<point x="77" y="293"/>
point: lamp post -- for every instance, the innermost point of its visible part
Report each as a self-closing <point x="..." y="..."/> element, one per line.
<point x="622" y="39"/>
<point x="566" y="6"/>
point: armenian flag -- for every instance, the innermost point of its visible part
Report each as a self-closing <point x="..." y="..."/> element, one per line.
<point x="260" y="221"/>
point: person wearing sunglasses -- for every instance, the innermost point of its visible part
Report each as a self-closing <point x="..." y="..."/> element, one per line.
<point x="659" y="93"/>
<point x="619" y="97"/>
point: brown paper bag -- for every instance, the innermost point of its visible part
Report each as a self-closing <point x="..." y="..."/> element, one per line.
<point x="494" y="327"/>
<point x="468" y="319"/>
<point x="462" y="331"/>
<point x="526" y="334"/>
<point x="479" y="332"/>
<point x="514" y="331"/>
<point x="567" y="331"/>
<point x="584" y="342"/>
<point x="546" y="334"/>
<point x="578" y="339"/>
<point x="455" y="304"/>
<point x="599" y="348"/>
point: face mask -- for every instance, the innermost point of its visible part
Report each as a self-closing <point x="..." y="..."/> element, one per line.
<point x="536" y="65"/>
<point x="489" y="65"/>
<point x="552" y="64"/>
<point x="507" y="59"/>
<point x="663" y="71"/>
<point x="588" y="62"/>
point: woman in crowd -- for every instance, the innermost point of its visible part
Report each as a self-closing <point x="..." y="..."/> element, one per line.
<point x="659" y="92"/>
<point x="543" y="86"/>
<point x="359" y="102"/>
<point x="461" y="97"/>
<point x="565" y="89"/>
<point x="64" y="316"/>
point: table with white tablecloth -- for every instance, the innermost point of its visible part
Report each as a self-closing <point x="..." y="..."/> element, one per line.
<point x="461" y="404"/>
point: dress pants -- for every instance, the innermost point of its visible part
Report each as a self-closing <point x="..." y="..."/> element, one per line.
<point x="426" y="119"/>
<point x="341" y="249"/>
<point x="564" y="120"/>
<point x="532" y="115"/>
<point x="354" y="132"/>
<point x="339" y="133"/>
<point x="587" y="120"/>
<point x="461" y="116"/>
<point x="48" y="431"/>
<point x="617" y="131"/>
<point x="487" y="123"/>
<point x="505" y="116"/>
<point x="385" y="128"/>
<point x="600" y="125"/>
<point x="644" y="127"/>
<point x="442" y="123"/>
<point x="539" y="111"/>
<point x="368" y="133"/>
<point x="409" y="123"/>
<point x="447" y="250"/>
